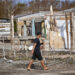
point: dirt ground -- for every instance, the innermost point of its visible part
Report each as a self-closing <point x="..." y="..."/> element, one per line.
<point x="56" y="67"/>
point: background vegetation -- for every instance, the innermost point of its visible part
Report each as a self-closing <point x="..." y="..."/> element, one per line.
<point x="8" y="7"/>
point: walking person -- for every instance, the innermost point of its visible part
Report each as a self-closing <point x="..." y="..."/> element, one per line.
<point x="36" y="53"/>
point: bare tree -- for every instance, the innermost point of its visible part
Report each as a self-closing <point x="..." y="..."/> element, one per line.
<point x="20" y="8"/>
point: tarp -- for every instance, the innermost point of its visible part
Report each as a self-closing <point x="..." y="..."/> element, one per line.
<point x="33" y="27"/>
<point x="25" y="29"/>
<point x="62" y="29"/>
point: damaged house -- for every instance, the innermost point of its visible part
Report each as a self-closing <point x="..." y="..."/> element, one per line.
<point x="59" y="35"/>
<point x="5" y="27"/>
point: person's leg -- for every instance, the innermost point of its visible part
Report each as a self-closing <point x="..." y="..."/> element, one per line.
<point x="43" y="65"/>
<point x="40" y="58"/>
<point x="29" y="66"/>
<point x="31" y="62"/>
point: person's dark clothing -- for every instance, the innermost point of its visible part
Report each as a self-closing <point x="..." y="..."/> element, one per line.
<point x="37" y="52"/>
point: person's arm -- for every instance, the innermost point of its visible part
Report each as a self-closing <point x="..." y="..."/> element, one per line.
<point x="33" y="48"/>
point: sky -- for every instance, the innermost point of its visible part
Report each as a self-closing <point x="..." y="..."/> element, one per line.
<point x="26" y="1"/>
<point x="65" y="0"/>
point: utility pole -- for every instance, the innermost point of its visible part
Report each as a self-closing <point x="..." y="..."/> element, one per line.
<point x="12" y="28"/>
<point x="12" y="34"/>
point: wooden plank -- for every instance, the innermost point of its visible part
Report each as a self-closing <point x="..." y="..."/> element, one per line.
<point x="71" y="30"/>
<point x="67" y="30"/>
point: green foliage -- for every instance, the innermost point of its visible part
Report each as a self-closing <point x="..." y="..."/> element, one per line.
<point x="15" y="26"/>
